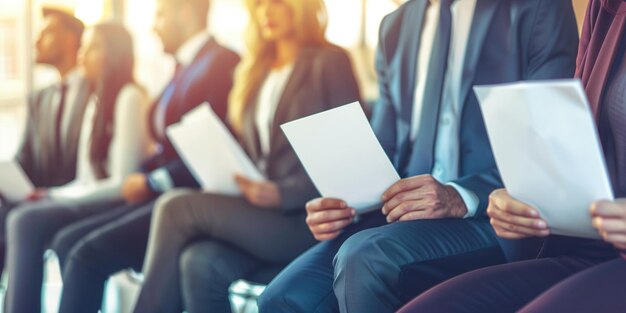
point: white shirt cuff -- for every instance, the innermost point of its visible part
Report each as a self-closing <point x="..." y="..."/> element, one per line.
<point x="471" y="199"/>
<point x="161" y="180"/>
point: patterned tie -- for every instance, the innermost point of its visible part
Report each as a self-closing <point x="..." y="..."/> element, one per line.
<point x="420" y="160"/>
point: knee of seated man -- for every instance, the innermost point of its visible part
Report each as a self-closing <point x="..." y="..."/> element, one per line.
<point x="86" y="251"/>
<point x="25" y="218"/>
<point x="360" y="250"/>
<point x="281" y="295"/>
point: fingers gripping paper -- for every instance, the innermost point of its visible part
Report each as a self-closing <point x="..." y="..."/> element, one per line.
<point x="547" y="150"/>
<point x="342" y="156"/>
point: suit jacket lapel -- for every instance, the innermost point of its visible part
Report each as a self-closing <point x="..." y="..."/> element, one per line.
<point x="46" y="119"/>
<point x="251" y="139"/>
<point x="300" y="72"/>
<point x="483" y="15"/>
<point x="76" y="119"/>
<point x="183" y="79"/>
<point x="408" y="46"/>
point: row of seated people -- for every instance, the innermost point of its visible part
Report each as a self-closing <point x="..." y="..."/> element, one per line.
<point x="87" y="136"/>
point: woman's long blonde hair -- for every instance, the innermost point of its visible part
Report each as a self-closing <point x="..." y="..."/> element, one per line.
<point x="310" y="21"/>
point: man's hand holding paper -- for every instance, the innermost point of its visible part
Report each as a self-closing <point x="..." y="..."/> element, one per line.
<point x="358" y="177"/>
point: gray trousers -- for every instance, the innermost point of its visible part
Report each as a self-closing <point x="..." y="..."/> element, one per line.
<point x="200" y="243"/>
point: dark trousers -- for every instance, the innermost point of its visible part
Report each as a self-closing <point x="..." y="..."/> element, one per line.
<point x="200" y="243"/>
<point x="362" y="270"/>
<point x="30" y="228"/>
<point x="579" y="280"/>
<point x="5" y="208"/>
<point x="118" y="244"/>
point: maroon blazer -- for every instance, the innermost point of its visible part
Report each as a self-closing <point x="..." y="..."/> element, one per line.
<point x="604" y="26"/>
<point x="603" y="30"/>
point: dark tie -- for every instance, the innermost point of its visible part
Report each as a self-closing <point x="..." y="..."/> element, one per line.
<point x="58" y="126"/>
<point x="420" y="159"/>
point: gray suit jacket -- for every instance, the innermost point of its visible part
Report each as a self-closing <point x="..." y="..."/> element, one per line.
<point x="322" y="79"/>
<point x="38" y="154"/>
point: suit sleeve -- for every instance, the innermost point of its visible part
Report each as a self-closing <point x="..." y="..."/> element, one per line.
<point x="553" y="44"/>
<point x="551" y="54"/>
<point x="339" y="87"/>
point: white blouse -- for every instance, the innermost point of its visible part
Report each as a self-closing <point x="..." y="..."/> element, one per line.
<point x="128" y="148"/>
<point x="269" y="96"/>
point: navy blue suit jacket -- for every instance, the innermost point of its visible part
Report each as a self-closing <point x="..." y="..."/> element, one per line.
<point x="510" y="40"/>
<point x="208" y="78"/>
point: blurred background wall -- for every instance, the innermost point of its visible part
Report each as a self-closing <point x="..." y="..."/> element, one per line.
<point x="353" y="25"/>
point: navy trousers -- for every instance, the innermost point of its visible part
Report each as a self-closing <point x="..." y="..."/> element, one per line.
<point x="375" y="267"/>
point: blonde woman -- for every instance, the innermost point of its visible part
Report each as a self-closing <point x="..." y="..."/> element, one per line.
<point x="200" y="243"/>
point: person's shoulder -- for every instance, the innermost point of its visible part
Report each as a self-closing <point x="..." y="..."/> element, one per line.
<point x="38" y="95"/>
<point x="132" y="92"/>
<point x="326" y="52"/>
<point x="536" y="5"/>
<point x="222" y="53"/>
<point x="399" y="13"/>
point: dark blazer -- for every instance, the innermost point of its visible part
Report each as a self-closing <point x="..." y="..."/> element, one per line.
<point x="208" y="78"/>
<point x="510" y="40"/>
<point x="322" y="79"/>
<point x="39" y="154"/>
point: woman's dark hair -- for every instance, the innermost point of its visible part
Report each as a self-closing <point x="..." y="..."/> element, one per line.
<point x="118" y="71"/>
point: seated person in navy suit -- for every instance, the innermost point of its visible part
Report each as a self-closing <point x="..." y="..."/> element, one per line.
<point x="433" y="222"/>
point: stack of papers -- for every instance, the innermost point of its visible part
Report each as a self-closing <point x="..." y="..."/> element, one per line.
<point x="342" y="156"/>
<point x="15" y="185"/>
<point x="547" y="150"/>
<point x="211" y="152"/>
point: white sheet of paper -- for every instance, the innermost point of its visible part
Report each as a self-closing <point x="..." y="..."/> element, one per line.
<point x="547" y="149"/>
<point x="14" y="183"/>
<point x="211" y="152"/>
<point x="342" y="156"/>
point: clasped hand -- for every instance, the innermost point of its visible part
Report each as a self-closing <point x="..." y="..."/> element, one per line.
<point x="418" y="197"/>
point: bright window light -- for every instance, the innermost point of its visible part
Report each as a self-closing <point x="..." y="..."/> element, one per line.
<point x="90" y="11"/>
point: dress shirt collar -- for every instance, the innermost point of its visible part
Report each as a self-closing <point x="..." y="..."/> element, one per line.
<point x="73" y="77"/>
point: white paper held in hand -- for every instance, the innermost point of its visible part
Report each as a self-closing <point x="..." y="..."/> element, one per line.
<point x="342" y="156"/>
<point x="547" y="149"/>
<point x="211" y="152"/>
<point x="14" y="183"/>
